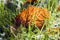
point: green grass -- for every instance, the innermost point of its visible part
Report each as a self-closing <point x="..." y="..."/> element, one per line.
<point x="6" y="17"/>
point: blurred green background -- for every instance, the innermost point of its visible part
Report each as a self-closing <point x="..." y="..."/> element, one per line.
<point x="8" y="12"/>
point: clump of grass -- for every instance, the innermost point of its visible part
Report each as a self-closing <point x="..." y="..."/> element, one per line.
<point x="6" y="17"/>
